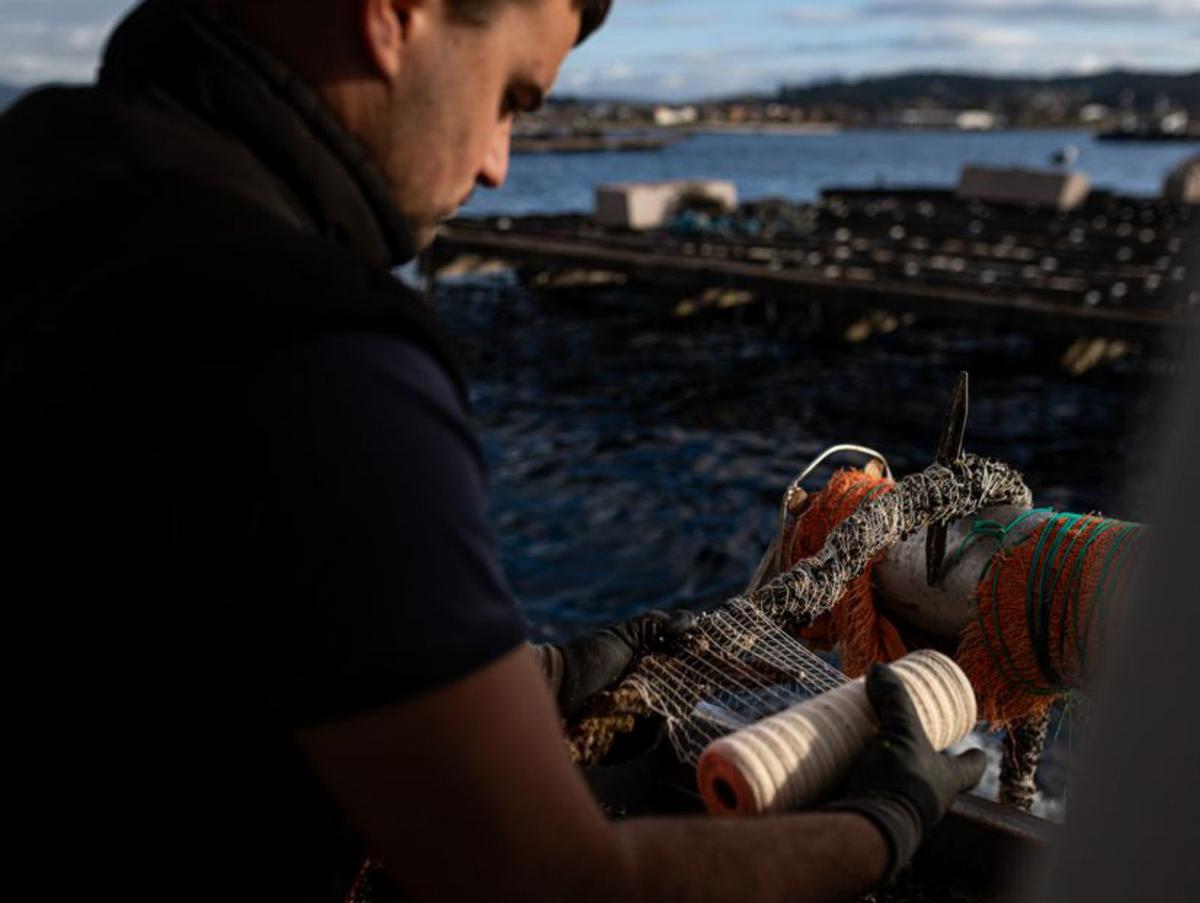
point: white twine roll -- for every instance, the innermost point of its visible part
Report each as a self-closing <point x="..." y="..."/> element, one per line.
<point x="800" y="756"/>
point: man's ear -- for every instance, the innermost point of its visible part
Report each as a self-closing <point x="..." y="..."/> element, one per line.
<point x="385" y="27"/>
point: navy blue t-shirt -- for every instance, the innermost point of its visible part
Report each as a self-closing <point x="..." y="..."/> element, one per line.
<point x="349" y="489"/>
<point x="330" y="516"/>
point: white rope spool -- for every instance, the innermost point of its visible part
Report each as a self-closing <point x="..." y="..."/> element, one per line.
<point x="799" y="756"/>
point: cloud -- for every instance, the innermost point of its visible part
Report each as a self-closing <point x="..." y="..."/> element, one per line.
<point x="36" y="50"/>
<point x="1088" y="64"/>
<point x="809" y="15"/>
<point x="679" y="19"/>
<point x="708" y="56"/>
<point x="928" y="40"/>
<point x="680" y="75"/>
<point x="60" y="36"/>
<point x="617" y="72"/>
<point x="966" y="36"/>
<point x="1076" y="11"/>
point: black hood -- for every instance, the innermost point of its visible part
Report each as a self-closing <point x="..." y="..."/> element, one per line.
<point x="188" y="107"/>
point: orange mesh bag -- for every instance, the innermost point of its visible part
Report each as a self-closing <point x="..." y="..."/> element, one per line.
<point x="1042" y="611"/>
<point x="860" y="631"/>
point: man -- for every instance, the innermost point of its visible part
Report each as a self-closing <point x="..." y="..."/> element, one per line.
<point x="259" y="619"/>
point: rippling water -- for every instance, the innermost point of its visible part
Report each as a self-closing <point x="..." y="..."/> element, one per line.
<point x="638" y="459"/>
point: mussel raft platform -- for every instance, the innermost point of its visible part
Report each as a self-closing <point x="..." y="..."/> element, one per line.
<point x="1114" y="266"/>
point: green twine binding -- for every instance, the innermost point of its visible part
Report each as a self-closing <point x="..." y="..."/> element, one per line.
<point x="1077" y="527"/>
<point x="1114" y="563"/>
<point x="1075" y="585"/>
<point x="1037" y="616"/>
<point x="1079" y="533"/>
<point x="990" y="529"/>
<point x="994" y="529"/>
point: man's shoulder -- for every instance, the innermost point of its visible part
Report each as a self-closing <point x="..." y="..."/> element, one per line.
<point x="380" y="375"/>
<point x="249" y="289"/>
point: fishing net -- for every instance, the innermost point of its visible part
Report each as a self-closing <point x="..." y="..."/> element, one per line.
<point x="744" y="660"/>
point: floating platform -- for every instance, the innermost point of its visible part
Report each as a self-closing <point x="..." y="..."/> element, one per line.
<point x="1111" y="266"/>
<point x="1149" y="135"/>
<point x="586" y="144"/>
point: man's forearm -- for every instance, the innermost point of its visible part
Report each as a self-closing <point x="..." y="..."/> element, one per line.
<point x="808" y="856"/>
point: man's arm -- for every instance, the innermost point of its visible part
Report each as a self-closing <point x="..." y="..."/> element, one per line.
<point x="467" y="790"/>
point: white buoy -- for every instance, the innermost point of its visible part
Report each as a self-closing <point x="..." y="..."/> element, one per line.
<point x="902" y="587"/>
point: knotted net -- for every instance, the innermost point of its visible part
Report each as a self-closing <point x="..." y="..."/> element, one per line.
<point x="743" y="662"/>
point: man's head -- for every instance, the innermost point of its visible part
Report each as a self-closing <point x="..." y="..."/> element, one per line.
<point x="429" y="87"/>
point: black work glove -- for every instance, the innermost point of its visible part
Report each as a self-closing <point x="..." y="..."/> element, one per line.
<point x="597" y="660"/>
<point x="901" y="783"/>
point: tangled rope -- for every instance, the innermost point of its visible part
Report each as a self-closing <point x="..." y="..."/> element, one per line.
<point x="742" y="660"/>
<point x="939" y="494"/>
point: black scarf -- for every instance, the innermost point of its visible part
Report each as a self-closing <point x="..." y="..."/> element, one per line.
<point x="185" y="52"/>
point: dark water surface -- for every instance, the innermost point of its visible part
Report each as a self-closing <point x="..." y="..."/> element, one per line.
<point x="638" y="459"/>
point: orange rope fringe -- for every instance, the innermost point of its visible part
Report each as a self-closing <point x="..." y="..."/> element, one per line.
<point x="996" y="650"/>
<point x="861" y="632"/>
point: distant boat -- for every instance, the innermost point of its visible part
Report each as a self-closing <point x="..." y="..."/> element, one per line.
<point x="1146" y="133"/>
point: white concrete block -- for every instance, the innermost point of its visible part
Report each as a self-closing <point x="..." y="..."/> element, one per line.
<point x="1062" y="190"/>
<point x="1183" y="183"/>
<point x="647" y="205"/>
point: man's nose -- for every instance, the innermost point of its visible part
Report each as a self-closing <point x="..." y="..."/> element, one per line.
<point x="494" y="169"/>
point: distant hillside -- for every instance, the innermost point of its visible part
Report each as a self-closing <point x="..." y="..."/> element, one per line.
<point x="1118" y="89"/>
<point x="9" y="93"/>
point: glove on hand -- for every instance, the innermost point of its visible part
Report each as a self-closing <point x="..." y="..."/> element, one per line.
<point x="596" y="660"/>
<point x="901" y="783"/>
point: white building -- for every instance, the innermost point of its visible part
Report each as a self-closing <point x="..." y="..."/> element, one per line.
<point x="672" y="116"/>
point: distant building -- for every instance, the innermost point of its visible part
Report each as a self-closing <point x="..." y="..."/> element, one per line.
<point x="977" y="121"/>
<point x="672" y="116"/>
<point x="965" y="120"/>
<point x="1175" y="123"/>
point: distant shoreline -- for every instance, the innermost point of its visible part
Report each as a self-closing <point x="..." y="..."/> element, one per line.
<point x="833" y="128"/>
<point x="764" y="128"/>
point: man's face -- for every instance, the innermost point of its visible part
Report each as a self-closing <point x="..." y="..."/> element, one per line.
<point x="456" y="96"/>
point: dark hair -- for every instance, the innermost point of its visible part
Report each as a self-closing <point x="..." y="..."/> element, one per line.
<point x="592" y="13"/>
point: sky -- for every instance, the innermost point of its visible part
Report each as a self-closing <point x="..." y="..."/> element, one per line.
<point x="686" y="49"/>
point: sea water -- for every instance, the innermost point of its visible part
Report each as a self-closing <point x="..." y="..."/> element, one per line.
<point x="798" y="167"/>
